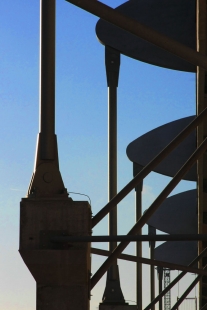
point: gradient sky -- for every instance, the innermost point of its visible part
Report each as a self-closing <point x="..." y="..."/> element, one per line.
<point x="148" y="97"/>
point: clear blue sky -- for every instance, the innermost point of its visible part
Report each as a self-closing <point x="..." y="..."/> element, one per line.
<point x="148" y="97"/>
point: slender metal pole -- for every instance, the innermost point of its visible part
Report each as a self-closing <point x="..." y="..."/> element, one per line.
<point x="116" y="18"/>
<point x="138" y="209"/>
<point x="112" y="162"/>
<point x="152" y="276"/>
<point x="148" y="168"/>
<point x="112" y="61"/>
<point x="152" y="232"/>
<point x="112" y="293"/>
<point x="47" y="79"/>
<point x="189" y="289"/>
<point x="132" y="258"/>
<point x="178" y="278"/>
<point x="179" y="175"/>
<point x="160" y="276"/>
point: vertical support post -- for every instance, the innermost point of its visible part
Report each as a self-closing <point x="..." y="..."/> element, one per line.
<point x="152" y="231"/>
<point x="160" y="277"/>
<point x="138" y="208"/>
<point x="201" y="134"/>
<point x="62" y="272"/>
<point x="46" y="179"/>
<point x="47" y="78"/>
<point x="113" y="292"/>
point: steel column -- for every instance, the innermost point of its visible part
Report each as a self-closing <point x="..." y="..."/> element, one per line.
<point x="47" y="79"/>
<point x="160" y="276"/>
<point x="113" y="292"/>
<point x="46" y="180"/>
<point x="138" y="210"/>
<point x="152" y="232"/>
<point x="179" y="175"/>
<point x="112" y="167"/>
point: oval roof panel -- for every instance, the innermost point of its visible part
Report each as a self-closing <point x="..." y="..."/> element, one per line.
<point x="177" y="214"/>
<point x="177" y="252"/>
<point x="174" y="18"/>
<point x="142" y="150"/>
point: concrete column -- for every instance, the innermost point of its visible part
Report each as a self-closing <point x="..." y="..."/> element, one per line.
<point x="160" y="277"/>
<point x="113" y="293"/>
<point x="113" y="297"/>
<point x="62" y="271"/>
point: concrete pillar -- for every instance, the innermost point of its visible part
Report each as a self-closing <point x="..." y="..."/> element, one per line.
<point x="61" y="270"/>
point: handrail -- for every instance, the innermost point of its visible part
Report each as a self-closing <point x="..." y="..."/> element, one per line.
<point x="189" y="289"/>
<point x="154" y="206"/>
<point x="148" y="168"/>
<point x="131" y="25"/>
<point x="178" y="278"/>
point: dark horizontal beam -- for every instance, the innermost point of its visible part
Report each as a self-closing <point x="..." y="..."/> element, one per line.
<point x="147" y="261"/>
<point x="131" y="238"/>
<point x="120" y="20"/>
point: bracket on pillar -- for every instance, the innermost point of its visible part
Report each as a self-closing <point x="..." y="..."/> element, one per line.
<point x="151" y="231"/>
<point x="113" y="293"/>
<point x="112" y="62"/>
<point x="46" y="179"/>
<point x="136" y="169"/>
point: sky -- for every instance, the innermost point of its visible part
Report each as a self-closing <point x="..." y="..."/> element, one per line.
<point x="148" y="97"/>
